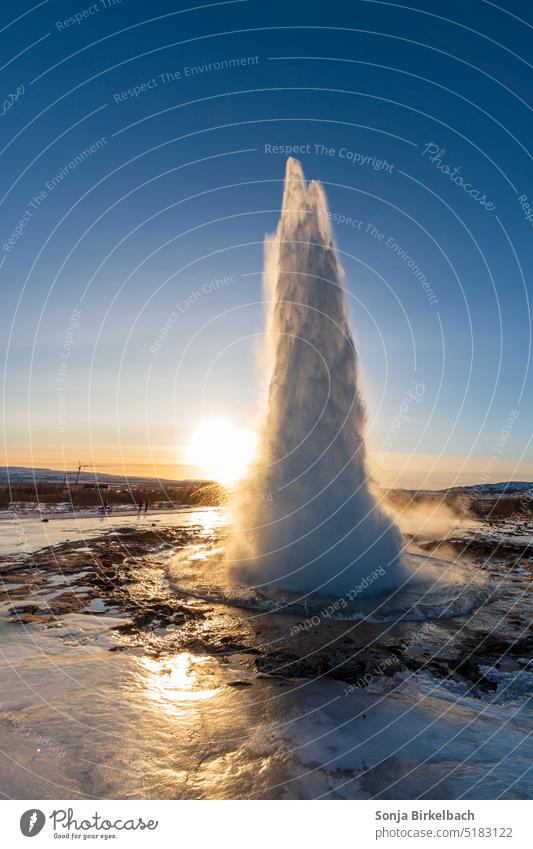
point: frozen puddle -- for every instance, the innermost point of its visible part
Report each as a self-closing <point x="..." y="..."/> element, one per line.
<point x="23" y="534"/>
<point x="190" y="726"/>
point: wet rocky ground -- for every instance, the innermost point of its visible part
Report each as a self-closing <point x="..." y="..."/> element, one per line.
<point x="125" y="573"/>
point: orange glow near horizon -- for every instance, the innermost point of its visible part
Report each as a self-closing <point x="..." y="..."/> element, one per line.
<point x="409" y="471"/>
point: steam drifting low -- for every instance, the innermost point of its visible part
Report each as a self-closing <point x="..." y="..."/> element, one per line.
<point x="307" y="519"/>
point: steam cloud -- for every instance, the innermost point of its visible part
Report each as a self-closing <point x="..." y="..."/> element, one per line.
<point x="307" y="518"/>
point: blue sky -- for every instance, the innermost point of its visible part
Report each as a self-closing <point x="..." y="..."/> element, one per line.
<point x="189" y="115"/>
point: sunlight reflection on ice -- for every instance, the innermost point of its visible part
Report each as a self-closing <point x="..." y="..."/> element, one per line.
<point x="170" y="681"/>
<point x="209" y="518"/>
<point x="175" y="680"/>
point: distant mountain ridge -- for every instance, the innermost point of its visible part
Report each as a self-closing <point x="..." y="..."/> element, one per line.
<point x="508" y="487"/>
<point x="24" y="474"/>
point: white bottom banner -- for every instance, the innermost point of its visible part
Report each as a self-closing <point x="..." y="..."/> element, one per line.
<point x="256" y="823"/>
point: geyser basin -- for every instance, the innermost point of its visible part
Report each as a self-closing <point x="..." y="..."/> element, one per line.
<point x="435" y="588"/>
<point x="306" y="517"/>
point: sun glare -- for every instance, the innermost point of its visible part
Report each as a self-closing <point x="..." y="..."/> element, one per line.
<point x="222" y="450"/>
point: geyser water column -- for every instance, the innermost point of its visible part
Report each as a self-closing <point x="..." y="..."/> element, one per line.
<point x="306" y="519"/>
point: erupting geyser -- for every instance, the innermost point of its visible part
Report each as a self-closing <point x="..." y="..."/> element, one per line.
<point x="307" y="519"/>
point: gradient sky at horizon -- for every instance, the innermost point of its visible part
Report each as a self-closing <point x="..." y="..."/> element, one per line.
<point x="162" y="226"/>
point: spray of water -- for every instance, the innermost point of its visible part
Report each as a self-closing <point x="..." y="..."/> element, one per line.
<point x="308" y="520"/>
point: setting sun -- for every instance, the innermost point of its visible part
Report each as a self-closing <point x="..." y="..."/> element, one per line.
<point x="221" y="449"/>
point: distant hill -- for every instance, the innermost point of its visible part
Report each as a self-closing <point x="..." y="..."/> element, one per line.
<point x="502" y="488"/>
<point x="22" y="474"/>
